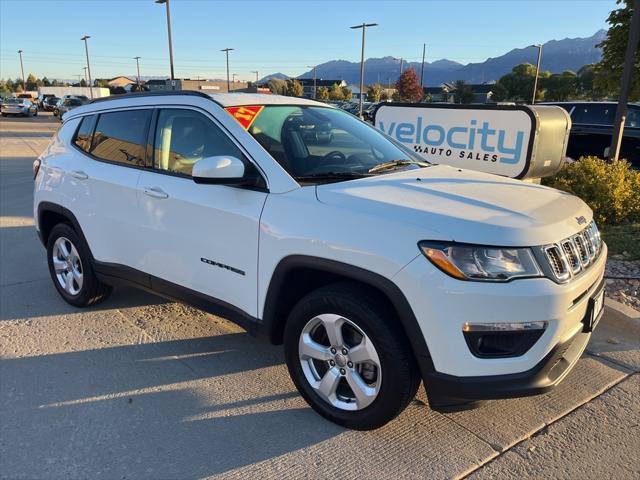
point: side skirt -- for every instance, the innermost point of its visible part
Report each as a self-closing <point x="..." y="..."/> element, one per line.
<point x="120" y="275"/>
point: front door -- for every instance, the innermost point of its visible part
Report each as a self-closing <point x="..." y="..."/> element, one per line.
<point x="202" y="237"/>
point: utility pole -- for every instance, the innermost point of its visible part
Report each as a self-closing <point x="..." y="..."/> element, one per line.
<point x="233" y="80"/>
<point x="625" y="83"/>
<point x="256" y="72"/>
<point x="535" y="81"/>
<point x="227" y="50"/>
<point x="424" y="50"/>
<point x="24" y="84"/>
<point x="314" y="80"/>
<point x="137" y="59"/>
<point x="86" y="49"/>
<point x="401" y="65"/>
<point x="363" y="26"/>
<point x="166" y="3"/>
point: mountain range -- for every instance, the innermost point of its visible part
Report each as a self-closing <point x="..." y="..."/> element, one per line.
<point x="557" y="56"/>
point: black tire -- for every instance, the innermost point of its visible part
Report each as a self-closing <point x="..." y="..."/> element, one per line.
<point x="363" y="307"/>
<point x="92" y="290"/>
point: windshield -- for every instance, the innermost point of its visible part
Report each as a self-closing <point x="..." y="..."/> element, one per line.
<point x="11" y="101"/>
<point x="311" y="141"/>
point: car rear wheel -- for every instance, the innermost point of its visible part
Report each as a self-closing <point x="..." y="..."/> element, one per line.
<point x="347" y="357"/>
<point x="71" y="269"/>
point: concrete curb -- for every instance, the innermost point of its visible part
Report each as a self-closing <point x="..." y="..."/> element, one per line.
<point x="621" y="311"/>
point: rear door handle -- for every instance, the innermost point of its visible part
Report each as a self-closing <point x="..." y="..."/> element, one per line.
<point x="155" y="192"/>
<point x="79" y="174"/>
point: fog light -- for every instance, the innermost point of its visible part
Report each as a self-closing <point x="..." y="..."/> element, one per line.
<point x="501" y="340"/>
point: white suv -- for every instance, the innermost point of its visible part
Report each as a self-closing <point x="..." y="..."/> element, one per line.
<point x="303" y="224"/>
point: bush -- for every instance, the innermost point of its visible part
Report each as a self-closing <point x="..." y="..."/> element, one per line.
<point x="611" y="189"/>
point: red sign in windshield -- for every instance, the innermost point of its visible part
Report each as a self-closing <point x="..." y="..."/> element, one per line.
<point x="245" y="115"/>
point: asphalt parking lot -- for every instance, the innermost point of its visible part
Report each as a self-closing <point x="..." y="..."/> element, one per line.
<point x="138" y="387"/>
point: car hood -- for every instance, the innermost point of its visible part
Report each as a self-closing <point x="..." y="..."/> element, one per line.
<point x="464" y="206"/>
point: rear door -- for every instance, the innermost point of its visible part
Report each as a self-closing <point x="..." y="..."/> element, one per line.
<point x="202" y="237"/>
<point x="113" y="146"/>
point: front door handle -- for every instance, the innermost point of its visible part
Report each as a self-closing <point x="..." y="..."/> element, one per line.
<point x="155" y="192"/>
<point x="79" y="174"/>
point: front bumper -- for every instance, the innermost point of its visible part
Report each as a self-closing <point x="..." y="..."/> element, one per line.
<point x="442" y="305"/>
<point x="14" y="111"/>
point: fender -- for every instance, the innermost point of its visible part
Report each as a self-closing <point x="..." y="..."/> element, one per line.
<point x="274" y="324"/>
<point x="44" y="207"/>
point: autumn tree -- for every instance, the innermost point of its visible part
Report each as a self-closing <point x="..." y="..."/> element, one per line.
<point x="408" y="86"/>
<point x="322" y="93"/>
<point x="277" y="86"/>
<point x="609" y="70"/>
<point x="294" y="88"/>
<point x="336" y="92"/>
<point x="374" y="93"/>
<point x="385" y="96"/>
<point x="347" y="94"/>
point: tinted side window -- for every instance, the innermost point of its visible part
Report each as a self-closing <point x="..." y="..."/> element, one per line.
<point x="594" y="114"/>
<point x="633" y="117"/>
<point x="84" y="133"/>
<point x="121" y="137"/>
<point x="183" y="137"/>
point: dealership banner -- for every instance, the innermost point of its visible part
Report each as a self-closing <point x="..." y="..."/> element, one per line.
<point x="488" y="138"/>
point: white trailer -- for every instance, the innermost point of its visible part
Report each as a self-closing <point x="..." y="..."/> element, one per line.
<point x="98" y="92"/>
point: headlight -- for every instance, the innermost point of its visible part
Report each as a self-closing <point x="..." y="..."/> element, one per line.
<point x="477" y="262"/>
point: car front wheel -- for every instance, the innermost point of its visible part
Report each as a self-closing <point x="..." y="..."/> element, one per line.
<point x="348" y="357"/>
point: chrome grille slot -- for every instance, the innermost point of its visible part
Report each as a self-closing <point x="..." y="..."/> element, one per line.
<point x="582" y="249"/>
<point x="558" y="262"/>
<point x="571" y="252"/>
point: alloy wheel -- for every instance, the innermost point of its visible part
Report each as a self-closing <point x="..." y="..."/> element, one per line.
<point x="67" y="265"/>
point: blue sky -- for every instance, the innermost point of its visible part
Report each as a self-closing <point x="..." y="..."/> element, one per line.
<point x="273" y="36"/>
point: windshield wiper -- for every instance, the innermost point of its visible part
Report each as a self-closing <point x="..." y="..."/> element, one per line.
<point x="393" y="164"/>
<point x="333" y="175"/>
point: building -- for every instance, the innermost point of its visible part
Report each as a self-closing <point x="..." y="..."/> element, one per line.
<point x="482" y="92"/>
<point x="206" y="86"/>
<point x="120" y="82"/>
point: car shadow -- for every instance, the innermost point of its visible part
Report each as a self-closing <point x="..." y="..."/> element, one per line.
<point x="163" y="410"/>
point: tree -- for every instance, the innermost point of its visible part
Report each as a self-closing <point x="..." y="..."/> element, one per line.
<point x="101" y="82"/>
<point x="294" y="88"/>
<point x="374" y="93"/>
<point x="277" y="86"/>
<point x="609" y="70"/>
<point x="385" y="96"/>
<point x="517" y="85"/>
<point x="83" y="83"/>
<point x="46" y="82"/>
<point x="336" y="92"/>
<point x="347" y="94"/>
<point x="408" y="87"/>
<point x="560" y="87"/>
<point x="463" y="92"/>
<point x="32" y="82"/>
<point x="322" y="93"/>
<point x="587" y="85"/>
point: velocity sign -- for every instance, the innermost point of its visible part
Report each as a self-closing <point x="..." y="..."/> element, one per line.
<point x="492" y="139"/>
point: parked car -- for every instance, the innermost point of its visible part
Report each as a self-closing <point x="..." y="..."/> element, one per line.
<point x="592" y="129"/>
<point x="42" y="100"/>
<point x="49" y="104"/>
<point x="66" y="104"/>
<point x="18" y="106"/>
<point x="375" y="269"/>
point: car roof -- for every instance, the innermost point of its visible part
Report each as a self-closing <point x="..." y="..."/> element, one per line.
<point x="239" y="99"/>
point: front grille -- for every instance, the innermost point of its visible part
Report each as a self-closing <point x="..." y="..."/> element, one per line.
<point x="572" y="255"/>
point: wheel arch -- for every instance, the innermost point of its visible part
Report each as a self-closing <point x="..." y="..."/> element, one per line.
<point x="50" y="214"/>
<point x="296" y="275"/>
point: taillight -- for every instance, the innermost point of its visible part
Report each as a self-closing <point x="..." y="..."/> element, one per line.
<point x="36" y="167"/>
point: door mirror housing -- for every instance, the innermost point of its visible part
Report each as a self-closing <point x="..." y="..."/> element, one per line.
<point x="219" y="170"/>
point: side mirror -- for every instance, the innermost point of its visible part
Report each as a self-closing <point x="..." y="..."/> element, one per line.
<point x="219" y="170"/>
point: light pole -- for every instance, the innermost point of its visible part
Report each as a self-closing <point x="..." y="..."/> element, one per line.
<point x="86" y="49"/>
<point x="314" y="79"/>
<point x="535" y="81"/>
<point x="424" y="50"/>
<point x="24" y="85"/>
<point x="166" y="2"/>
<point x="137" y="59"/>
<point x="85" y="75"/>
<point x="233" y="79"/>
<point x="227" y="50"/>
<point x="363" y="26"/>
<point x="256" y="72"/>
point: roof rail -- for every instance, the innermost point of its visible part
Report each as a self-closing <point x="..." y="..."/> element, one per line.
<point x="159" y="93"/>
